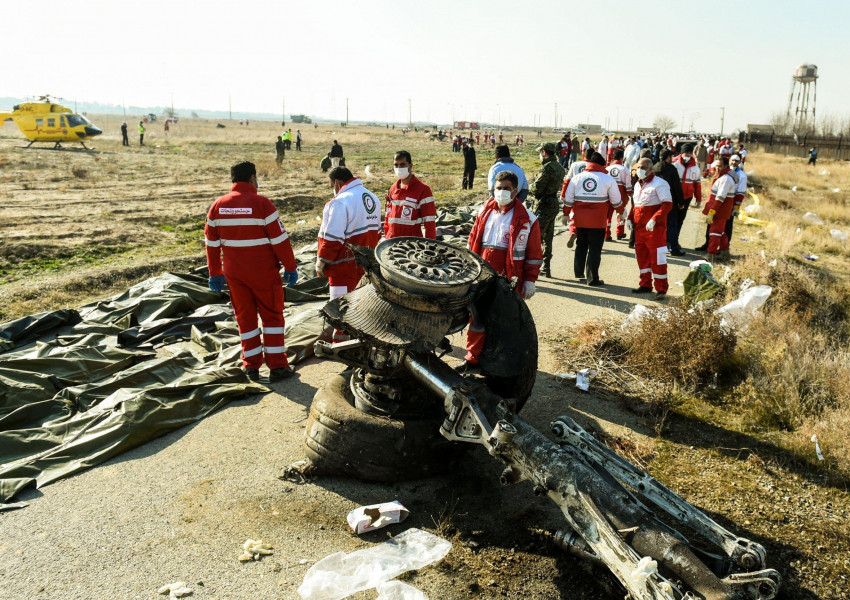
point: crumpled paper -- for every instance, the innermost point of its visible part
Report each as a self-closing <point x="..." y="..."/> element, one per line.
<point x="376" y="516"/>
<point x="254" y="549"/>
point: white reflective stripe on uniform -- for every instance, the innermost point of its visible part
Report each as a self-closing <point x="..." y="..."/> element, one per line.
<point x="411" y="204"/>
<point x="400" y="221"/>
<point x="252" y="351"/>
<point x="717" y="234"/>
<point x="226" y="222"/>
<point x="657" y="276"/>
<point x="212" y="243"/>
<point x="273" y="330"/>
<point x="250" y="334"/>
<point x="476" y="329"/>
<point x="646" y="270"/>
<point x="275" y="349"/>
<point x="428" y="219"/>
<point x="428" y="200"/>
<point x="348" y="234"/>
<point x="272" y="217"/>
<point x="245" y="243"/>
<point x="281" y="238"/>
<point x="534" y="262"/>
<point x="599" y="199"/>
<point x="330" y="236"/>
<point x="661" y="255"/>
<point x="338" y="291"/>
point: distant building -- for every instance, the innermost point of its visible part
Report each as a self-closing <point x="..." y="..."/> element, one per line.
<point x="590" y="129"/>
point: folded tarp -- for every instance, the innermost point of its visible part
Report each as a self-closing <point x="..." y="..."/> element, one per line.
<point x="99" y="388"/>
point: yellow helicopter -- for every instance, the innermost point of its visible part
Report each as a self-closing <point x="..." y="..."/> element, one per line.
<point x="46" y="121"/>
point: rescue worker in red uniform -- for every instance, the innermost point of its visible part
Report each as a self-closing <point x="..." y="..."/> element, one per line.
<point x="410" y="203"/>
<point x="507" y="236"/>
<point x="589" y="196"/>
<point x="577" y="167"/>
<point x="623" y="177"/>
<point x="652" y="202"/>
<point x="247" y="230"/>
<point x="718" y="209"/>
<point x="352" y="216"/>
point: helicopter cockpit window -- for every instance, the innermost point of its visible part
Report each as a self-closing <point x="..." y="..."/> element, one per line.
<point x="62" y="121"/>
<point x="74" y="120"/>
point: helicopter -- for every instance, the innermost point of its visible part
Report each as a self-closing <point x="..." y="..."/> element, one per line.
<point x="47" y="121"/>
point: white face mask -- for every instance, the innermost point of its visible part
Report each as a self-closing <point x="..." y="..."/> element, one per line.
<point x="542" y="156"/>
<point x="641" y="173"/>
<point x="503" y="197"/>
<point x="685" y="158"/>
<point x="401" y="172"/>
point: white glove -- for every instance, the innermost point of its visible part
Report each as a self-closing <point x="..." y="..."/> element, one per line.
<point x="565" y="220"/>
<point x="320" y="268"/>
<point x="650" y="225"/>
<point x="528" y="290"/>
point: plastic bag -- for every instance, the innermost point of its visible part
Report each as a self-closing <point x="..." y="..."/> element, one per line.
<point x="397" y="590"/>
<point x="340" y="575"/>
<point x="738" y="313"/>
<point x="812" y="219"/>
<point x="638" y="313"/>
<point x="839" y="235"/>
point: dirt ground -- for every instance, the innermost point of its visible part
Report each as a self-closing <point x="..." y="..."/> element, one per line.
<point x="180" y="507"/>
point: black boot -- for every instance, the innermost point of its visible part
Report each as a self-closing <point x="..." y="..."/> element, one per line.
<point x="547" y="271"/>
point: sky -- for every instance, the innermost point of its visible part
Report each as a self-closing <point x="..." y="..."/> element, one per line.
<point x="611" y="63"/>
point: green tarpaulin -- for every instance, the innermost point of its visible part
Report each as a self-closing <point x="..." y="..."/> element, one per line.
<point x="115" y="374"/>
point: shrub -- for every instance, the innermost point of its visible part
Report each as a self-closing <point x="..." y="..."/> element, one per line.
<point x="79" y="172"/>
<point x="685" y="346"/>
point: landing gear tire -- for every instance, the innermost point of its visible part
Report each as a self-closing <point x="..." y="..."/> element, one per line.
<point x="342" y="440"/>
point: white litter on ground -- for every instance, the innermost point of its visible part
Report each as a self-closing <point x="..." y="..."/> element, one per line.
<point x="817" y="447"/>
<point x="375" y="516"/>
<point x="812" y="219"/>
<point x="839" y="235"/>
<point x="174" y="590"/>
<point x="340" y="575"/>
<point x="254" y="549"/>
<point x="398" y="590"/>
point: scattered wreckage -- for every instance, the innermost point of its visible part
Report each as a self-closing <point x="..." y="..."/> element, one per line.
<point x="400" y="411"/>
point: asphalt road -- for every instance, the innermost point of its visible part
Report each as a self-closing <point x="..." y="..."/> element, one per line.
<point x="180" y="507"/>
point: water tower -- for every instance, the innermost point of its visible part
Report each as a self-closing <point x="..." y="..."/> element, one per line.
<point x="805" y="84"/>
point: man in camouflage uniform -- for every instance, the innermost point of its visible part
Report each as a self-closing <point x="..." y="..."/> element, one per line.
<point x="546" y="206"/>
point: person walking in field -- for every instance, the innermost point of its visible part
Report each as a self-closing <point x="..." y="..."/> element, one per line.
<point x="335" y="154"/>
<point x="409" y="203"/>
<point x="246" y="245"/>
<point x="125" y="141"/>
<point x="280" y="150"/>
<point x="470" y="164"/>
<point x="298" y="141"/>
<point x="813" y="156"/>
<point x="141" y="133"/>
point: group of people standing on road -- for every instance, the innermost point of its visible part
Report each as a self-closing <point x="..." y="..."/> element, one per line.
<point x="513" y="232"/>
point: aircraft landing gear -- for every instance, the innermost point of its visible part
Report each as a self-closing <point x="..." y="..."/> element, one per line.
<point x="58" y="146"/>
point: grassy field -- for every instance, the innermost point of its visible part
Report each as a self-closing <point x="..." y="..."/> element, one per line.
<point x="76" y="225"/>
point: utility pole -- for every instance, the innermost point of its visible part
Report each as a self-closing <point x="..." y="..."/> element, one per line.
<point x="618" y="119"/>
<point x="346" y="111"/>
<point x="283" y="110"/>
<point x="229" y="108"/>
<point x="409" y="112"/>
<point x="556" y="115"/>
<point x="722" y="118"/>
<point x="172" y="104"/>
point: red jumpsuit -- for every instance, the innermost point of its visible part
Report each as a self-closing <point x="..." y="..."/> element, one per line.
<point x="410" y="208"/>
<point x="246" y="228"/>
<point x="509" y="242"/>
<point x="624" y="181"/>
<point x="353" y="216"/>
<point x="652" y="201"/>
<point x="721" y="200"/>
